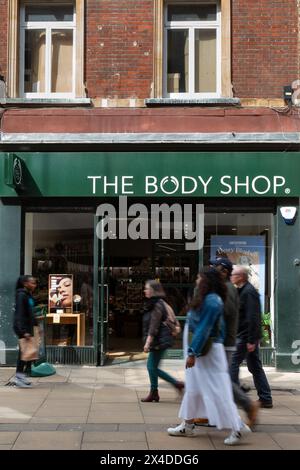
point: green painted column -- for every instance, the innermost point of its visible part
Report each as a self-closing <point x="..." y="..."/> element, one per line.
<point x="10" y="248"/>
<point x="287" y="285"/>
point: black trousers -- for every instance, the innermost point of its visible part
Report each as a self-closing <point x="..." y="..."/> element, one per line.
<point x="255" y="368"/>
<point x="23" y="366"/>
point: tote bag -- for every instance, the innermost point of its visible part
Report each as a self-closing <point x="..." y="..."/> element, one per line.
<point x="28" y="348"/>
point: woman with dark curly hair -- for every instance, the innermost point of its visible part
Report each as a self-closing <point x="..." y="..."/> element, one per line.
<point x="208" y="389"/>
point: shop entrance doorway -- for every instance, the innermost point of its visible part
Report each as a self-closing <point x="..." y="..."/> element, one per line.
<point x="128" y="264"/>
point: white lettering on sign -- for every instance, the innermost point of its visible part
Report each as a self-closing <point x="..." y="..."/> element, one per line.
<point x="94" y="178"/>
<point x="171" y="185"/>
<point x="227" y="185"/>
<point x="245" y="185"/>
<point x="127" y="181"/>
<point x="126" y="184"/>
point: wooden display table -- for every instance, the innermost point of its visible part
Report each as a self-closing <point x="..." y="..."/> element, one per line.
<point x="70" y="319"/>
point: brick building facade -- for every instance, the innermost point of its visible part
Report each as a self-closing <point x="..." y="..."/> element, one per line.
<point x="160" y="83"/>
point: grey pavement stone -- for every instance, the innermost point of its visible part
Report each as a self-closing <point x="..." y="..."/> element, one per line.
<point x="48" y="440"/>
<point x="52" y="379"/>
<point x="105" y="436"/>
<point x="166" y="420"/>
<point x="162" y="441"/>
<point x="114" y="446"/>
<point x="65" y="396"/>
<point x="58" y="419"/>
<point x="272" y="428"/>
<point x="289" y="441"/>
<point x="88" y="427"/>
<point x="252" y="441"/>
<point x="277" y="410"/>
<point x="141" y="427"/>
<point x="8" y="437"/>
<point x="28" y="427"/>
<point x="81" y="413"/>
<point x="115" y="395"/>
<point x="279" y="420"/>
<point x="11" y="420"/>
<point x="115" y="418"/>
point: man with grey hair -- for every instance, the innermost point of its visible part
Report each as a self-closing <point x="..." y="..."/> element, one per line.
<point x="248" y="336"/>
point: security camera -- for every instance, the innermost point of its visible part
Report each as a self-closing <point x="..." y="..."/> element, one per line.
<point x="288" y="214"/>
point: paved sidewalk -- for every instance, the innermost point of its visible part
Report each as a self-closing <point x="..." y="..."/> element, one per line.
<point x="100" y="408"/>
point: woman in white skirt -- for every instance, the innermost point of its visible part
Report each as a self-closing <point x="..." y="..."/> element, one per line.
<point x="208" y="389"/>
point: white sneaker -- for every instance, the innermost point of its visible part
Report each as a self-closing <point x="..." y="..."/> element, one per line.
<point x="183" y="429"/>
<point x="236" y="436"/>
<point x="23" y="378"/>
<point x="20" y="383"/>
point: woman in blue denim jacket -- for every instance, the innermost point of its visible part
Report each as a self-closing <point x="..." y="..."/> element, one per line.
<point x="207" y="323"/>
<point x="208" y="389"/>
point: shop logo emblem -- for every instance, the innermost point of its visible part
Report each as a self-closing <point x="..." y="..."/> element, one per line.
<point x="17" y="172"/>
<point x="174" y="182"/>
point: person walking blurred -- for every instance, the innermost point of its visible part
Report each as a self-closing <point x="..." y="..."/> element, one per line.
<point x="24" y="322"/>
<point x="248" y="336"/>
<point x="157" y="338"/>
<point x="208" y="390"/>
<point x="231" y="317"/>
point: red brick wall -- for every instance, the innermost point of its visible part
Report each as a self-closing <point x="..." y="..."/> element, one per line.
<point x="119" y="48"/>
<point x="264" y="47"/>
<point x="3" y="37"/>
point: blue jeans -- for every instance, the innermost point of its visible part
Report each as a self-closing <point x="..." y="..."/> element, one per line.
<point x="255" y="368"/>
<point x="154" y="372"/>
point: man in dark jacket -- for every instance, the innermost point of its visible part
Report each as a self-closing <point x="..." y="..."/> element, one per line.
<point x="231" y="316"/>
<point x="248" y="336"/>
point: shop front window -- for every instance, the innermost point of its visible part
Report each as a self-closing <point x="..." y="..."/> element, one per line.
<point x="59" y="253"/>
<point x="246" y="239"/>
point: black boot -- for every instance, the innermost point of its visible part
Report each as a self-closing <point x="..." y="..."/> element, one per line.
<point x="153" y="396"/>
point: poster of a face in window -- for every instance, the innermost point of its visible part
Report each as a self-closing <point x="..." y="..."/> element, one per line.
<point x="60" y="293"/>
<point x="248" y="251"/>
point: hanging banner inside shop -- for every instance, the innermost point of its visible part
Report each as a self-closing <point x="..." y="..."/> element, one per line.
<point x="151" y="174"/>
<point x="248" y="251"/>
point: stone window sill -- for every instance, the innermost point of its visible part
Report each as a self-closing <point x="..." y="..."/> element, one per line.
<point x="45" y="102"/>
<point x="193" y="102"/>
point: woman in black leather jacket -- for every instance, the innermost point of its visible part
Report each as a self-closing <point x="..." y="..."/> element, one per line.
<point x="157" y="338"/>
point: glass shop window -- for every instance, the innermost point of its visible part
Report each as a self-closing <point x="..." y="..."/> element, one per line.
<point x="59" y="253"/>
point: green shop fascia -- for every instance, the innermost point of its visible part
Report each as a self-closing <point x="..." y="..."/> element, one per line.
<point x="168" y="176"/>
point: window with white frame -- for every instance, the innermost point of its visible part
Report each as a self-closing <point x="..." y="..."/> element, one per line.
<point x="47" y="50"/>
<point x="192" y="52"/>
